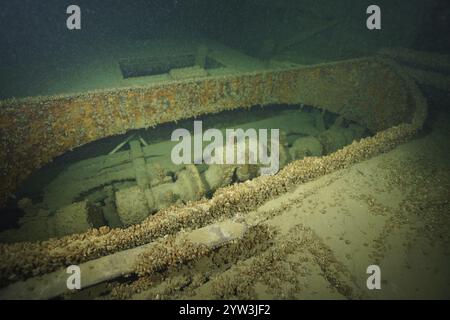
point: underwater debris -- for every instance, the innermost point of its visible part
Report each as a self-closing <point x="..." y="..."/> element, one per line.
<point x="143" y="260"/>
<point x="21" y="260"/>
<point x="75" y="218"/>
<point x="120" y="145"/>
<point x="424" y="67"/>
<point x="155" y="184"/>
<point x="24" y="148"/>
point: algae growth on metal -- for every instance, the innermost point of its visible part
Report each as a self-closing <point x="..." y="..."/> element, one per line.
<point x="225" y="150"/>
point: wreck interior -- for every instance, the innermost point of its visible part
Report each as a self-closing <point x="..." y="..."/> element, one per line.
<point x="87" y="177"/>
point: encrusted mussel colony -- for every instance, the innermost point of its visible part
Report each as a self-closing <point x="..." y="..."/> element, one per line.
<point x="118" y="182"/>
<point x="170" y="228"/>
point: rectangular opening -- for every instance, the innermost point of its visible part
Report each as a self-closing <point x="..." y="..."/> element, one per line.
<point x="151" y="66"/>
<point x="210" y="63"/>
<point x="154" y="65"/>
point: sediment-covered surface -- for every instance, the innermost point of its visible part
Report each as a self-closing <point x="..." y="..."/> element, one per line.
<point x="25" y="260"/>
<point x="22" y="260"/>
<point x="392" y="211"/>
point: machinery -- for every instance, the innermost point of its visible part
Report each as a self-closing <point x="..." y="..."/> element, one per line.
<point x="375" y="94"/>
<point x="125" y="187"/>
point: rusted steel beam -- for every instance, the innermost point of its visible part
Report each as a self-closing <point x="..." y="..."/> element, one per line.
<point x="141" y="260"/>
<point x="418" y="59"/>
<point x="33" y="131"/>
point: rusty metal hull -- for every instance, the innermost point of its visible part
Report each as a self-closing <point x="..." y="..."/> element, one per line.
<point x="24" y="259"/>
<point x="33" y="131"/>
